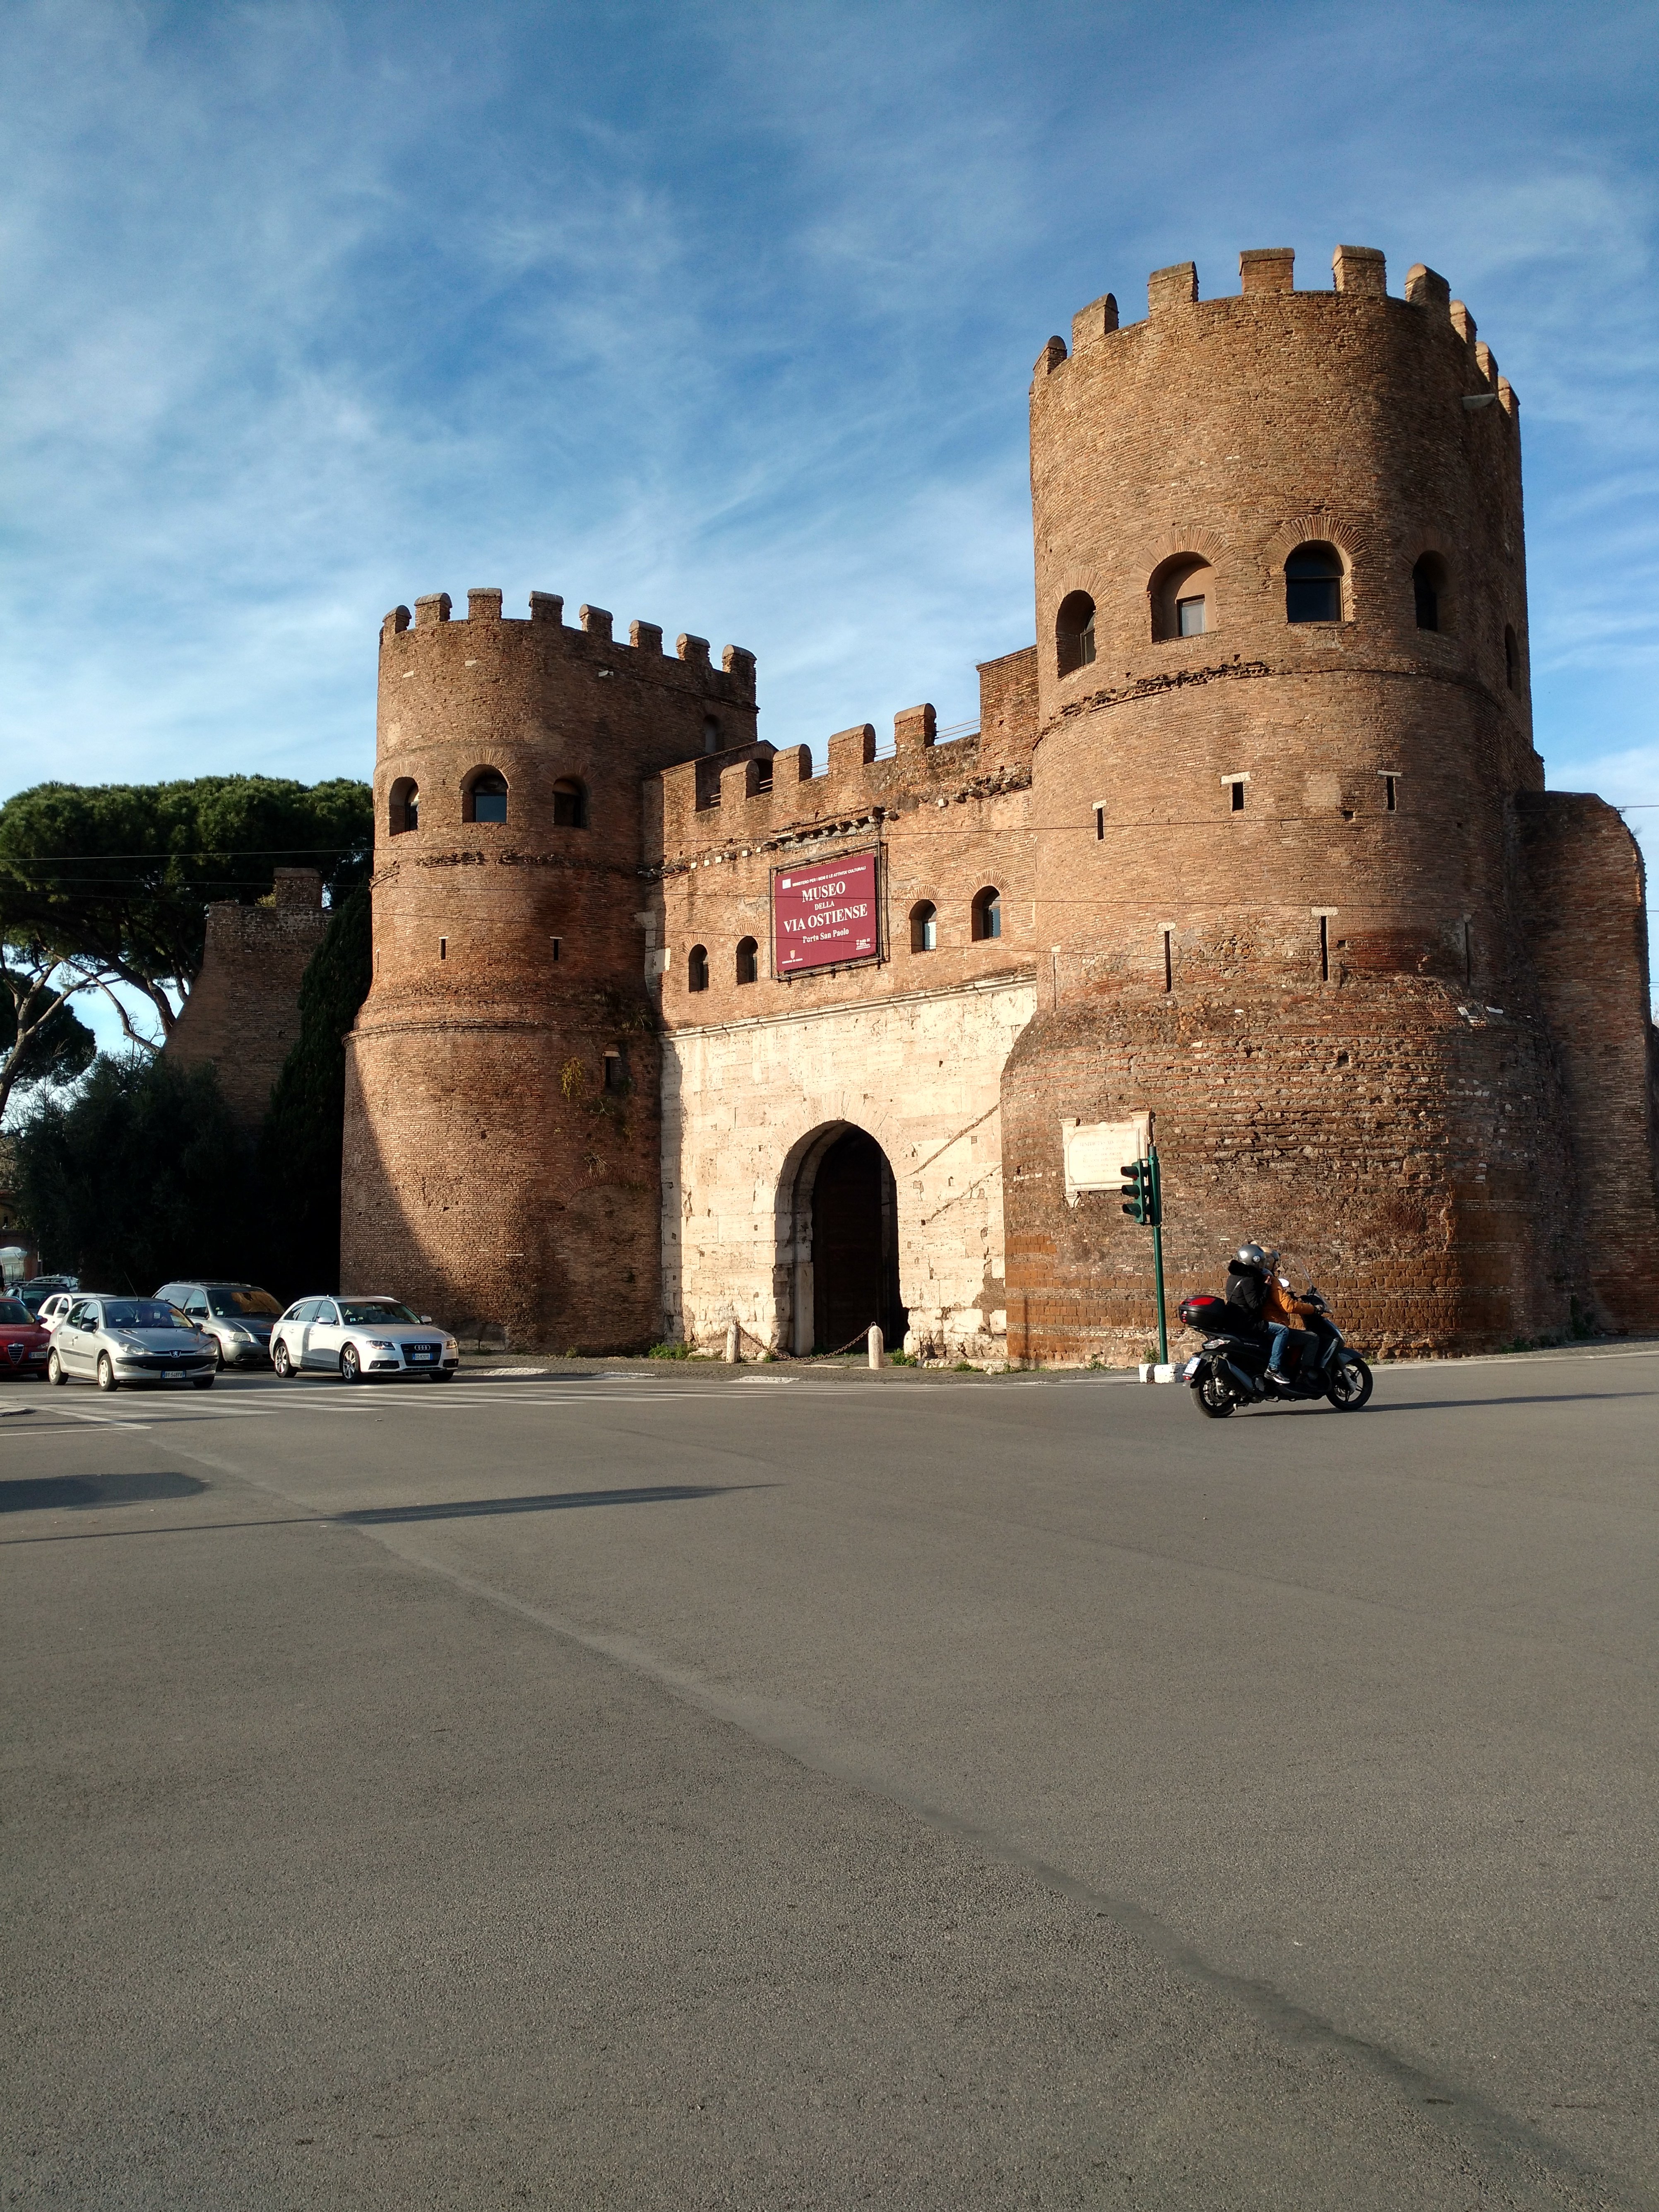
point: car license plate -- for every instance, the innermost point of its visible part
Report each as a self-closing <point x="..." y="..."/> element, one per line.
<point x="422" y="1352"/>
<point x="1190" y="1369"/>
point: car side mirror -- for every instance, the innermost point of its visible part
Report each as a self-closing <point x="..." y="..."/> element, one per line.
<point x="426" y="1320"/>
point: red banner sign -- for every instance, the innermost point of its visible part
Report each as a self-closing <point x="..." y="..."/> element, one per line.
<point x="824" y="914"/>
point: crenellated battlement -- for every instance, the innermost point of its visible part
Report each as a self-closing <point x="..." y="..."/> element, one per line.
<point x="434" y="619"/>
<point x="1268" y="272"/>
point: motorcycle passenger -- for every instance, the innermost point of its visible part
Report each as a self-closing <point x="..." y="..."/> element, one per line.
<point x="1280" y="1313"/>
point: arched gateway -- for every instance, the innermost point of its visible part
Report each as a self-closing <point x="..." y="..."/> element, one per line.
<point x="842" y="1207"/>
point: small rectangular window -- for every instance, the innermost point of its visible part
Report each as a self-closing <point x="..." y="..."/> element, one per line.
<point x="1238" y="796"/>
<point x="1189" y="618"/>
<point x="1324" y="948"/>
<point x="443" y="948"/>
<point x="615" y="1076"/>
<point x="555" y="942"/>
<point x="1100" y="823"/>
<point x="1169" y="962"/>
<point x="1391" y="789"/>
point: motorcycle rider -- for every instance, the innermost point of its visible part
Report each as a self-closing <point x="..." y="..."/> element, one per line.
<point x="1260" y="1303"/>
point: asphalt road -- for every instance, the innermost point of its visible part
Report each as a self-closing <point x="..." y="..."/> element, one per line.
<point x="677" y="1787"/>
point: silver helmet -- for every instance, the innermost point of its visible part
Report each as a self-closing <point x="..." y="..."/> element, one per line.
<point x="1250" y="1255"/>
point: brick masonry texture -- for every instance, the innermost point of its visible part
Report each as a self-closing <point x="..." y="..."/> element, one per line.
<point x="1390" y="1011"/>
<point x="244" y="1012"/>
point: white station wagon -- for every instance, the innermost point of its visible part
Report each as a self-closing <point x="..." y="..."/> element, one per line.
<point x="358" y="1338"/>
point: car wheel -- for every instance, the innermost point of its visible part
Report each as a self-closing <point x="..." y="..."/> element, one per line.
<point x="55" y="1370"/>
<point x="201" y="1382"/>
<point x="218" y="1356"/>
<point x="444" y="1374"/>
<point x="106" y="1373"/>
<point x="351" y="1368"/>
<point x="280" y="1362"/>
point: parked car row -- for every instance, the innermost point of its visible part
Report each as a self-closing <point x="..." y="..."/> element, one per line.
<point x="188" y="1331"/>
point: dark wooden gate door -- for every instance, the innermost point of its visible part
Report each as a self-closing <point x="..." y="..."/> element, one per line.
<point x="854" y="1244"/>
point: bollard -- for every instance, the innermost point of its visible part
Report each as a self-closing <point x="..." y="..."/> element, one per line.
<point x="877" y="1349"/>
<point x="732" y="1355"/>
<point x="912" y="1345"/>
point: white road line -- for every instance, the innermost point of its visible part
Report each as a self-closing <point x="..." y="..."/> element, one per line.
<point x="97" y="1420"/>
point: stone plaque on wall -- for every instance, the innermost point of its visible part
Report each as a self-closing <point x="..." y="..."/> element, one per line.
<point x="1096" y="1152"/>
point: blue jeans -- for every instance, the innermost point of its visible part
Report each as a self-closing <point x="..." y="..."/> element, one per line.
<point x="1279" y="1332"/>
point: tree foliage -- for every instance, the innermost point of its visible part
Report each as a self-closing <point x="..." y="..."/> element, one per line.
<point x="142" y="1174"/>
<point x="113" y="878"/>
<point x="300" y="1145"/>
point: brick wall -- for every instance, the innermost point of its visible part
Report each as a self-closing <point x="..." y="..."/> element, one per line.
<point x="1587" y="932"/>
<point x="243" y="1013"/>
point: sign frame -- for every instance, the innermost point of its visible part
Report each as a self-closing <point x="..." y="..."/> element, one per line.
<point x="876" y="856"/>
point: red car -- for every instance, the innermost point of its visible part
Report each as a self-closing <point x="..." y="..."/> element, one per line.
<point x="22" y="1340"/>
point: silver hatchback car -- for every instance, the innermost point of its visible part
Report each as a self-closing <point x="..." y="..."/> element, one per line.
<point x="117" y="1342"/>
<point x="357" y="1338"/>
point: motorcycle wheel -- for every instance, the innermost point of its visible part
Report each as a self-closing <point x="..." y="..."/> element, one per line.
<point x="1350" y="1384"/>
<point x="1212" y="1396"/>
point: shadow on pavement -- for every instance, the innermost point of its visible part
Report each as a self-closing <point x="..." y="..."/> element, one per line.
<point x="1459" y="1405"/>
<point x="557" y="1501"/>
<point x="43" y="1492"/>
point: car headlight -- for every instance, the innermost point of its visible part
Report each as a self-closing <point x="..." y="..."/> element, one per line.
<point x="380" y="1344"/>
<point x="450" y="1345"/>
<point x="126" y="1344"/>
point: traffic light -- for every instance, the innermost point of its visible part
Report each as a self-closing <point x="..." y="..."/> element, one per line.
<point x="1142" y="1199"/>
<point x="1137" y="1188"/>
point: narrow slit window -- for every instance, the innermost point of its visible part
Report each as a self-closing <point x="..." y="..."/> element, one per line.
<point x="1169" y="960"/>
<point x="615" y="1074"/>
<point x="443" y="948"/>
<point x="1100" y="823"/>
<point x="1391" y="794"/>
<point x="1324" y="948"/>
<point x="556" y="943"/>
<point x="1238" y="795"/>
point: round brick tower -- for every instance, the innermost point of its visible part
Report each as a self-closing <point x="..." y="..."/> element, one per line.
<point x="1284" y="735"/>
<point x="503" y="1117"/>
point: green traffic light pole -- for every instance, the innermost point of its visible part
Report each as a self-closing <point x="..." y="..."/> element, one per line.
<point x="1156" y="1193"/>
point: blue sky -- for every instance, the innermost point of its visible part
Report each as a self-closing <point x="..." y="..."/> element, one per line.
<point x="723" y="317"/>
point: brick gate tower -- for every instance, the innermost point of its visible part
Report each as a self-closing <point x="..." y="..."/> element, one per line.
<point x="502" y="1110"/>
<point x="1299" y="888"/>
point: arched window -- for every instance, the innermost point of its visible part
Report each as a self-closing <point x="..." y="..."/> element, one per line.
<point x="484" y="799"/>
<point x="1182" y="593"/>
<point x="1429" y="590"/>
<point x="748" y="960"/>
<point x="711" y="734"/>
<point x="988" y="913"/>
<point x="924" y="927"/>
<point x="404" y="812"/>
<point x="569" y="805"/>
<point x="1511" y="657"/>
<point x="1313" y="585"/>
<point x="696" y="968"/>
<point x="1074" y="632"/>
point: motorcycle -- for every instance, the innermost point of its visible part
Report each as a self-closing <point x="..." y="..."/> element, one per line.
<point x="1231" y="1368"/>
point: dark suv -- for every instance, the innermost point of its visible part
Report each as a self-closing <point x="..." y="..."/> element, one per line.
<point x="237" y="1316"/>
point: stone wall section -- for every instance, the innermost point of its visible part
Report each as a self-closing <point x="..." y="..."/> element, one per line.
<point x="243" y="1012"/>
<point x="1587" y="931"/>
<point x="744" y="1102"/>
